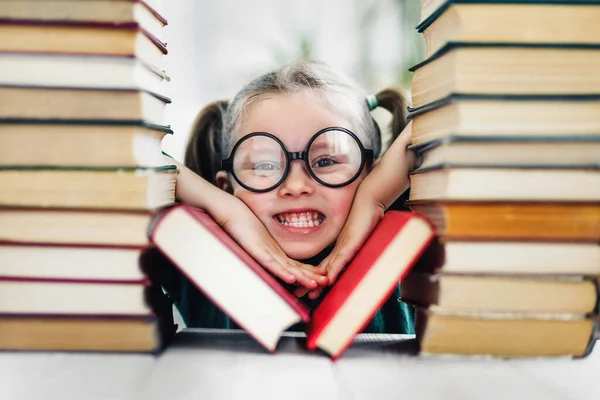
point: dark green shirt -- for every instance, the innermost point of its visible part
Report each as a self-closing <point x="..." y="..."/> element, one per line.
<point x="198" y="311"/>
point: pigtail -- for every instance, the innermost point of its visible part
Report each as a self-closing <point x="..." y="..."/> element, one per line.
<point x="394" y="102"/>
<point x="203" y="152"/>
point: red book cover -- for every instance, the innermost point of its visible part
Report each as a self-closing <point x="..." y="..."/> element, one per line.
<point x="211" y="226"/>
<point x="386" y="233"/>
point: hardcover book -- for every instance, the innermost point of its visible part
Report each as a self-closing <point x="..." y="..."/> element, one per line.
<point x="225" y="273"/>
<point x="19" y="104"/>
<point x="386" y="257"/>
<point x="37" y="143"/>
<point x="97" y="188"/>
<point x="90" y="12"/>
<point x="506" y="69"/>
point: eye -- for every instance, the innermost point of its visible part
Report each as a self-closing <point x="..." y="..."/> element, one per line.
<point x="324" y="162"/>
<point x="266" y="166"/>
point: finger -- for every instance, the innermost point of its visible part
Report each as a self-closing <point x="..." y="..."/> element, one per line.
<point x="302" y="277"/>
<point x="317" y="278"/>
<point x="315" y="269"/>
<point x="318" y="274"/>
<point x="300" y="291"/>
<point x="279" y="271"/>
<point x="336" y="264"/>
<point x="315" y="293"/>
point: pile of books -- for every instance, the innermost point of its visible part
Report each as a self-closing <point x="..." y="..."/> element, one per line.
<point x="506" y="114"/>
<point x="81" y="169"/>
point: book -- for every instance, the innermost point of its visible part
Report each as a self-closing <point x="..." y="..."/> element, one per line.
<point x="511" y="257"/>
<point x="79" y="71"/>
<point x="99" y="188"/>
<point x="512" y="220"/>
<point x="369" y="279"/>
<point x="72" y="262"/>
<point x="225" y="273"/>
<point x="432" y="9"/>
<point x="505" y="334"/>
<point x="512" y="23"/>
<point x="93" y="39"/>
<point x="77" y="143"/>
<point x="19" y="296"/>
<point x="80" y="334"/>
<point x="511" y="184"/>
<point x="23" y="104"/>
<point x="511" y="152"/>
<point x="67" y="226"/>
<point x="97" y="12"/>
<point x="501" y="293"/>
<point x="507" y="117"/>
<point x="506" y="69"/>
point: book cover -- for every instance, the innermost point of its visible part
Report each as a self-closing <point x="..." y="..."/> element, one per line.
<point x="436" y="7"/>
<point x="386" y="257"/>
<point x="218" y="266"/>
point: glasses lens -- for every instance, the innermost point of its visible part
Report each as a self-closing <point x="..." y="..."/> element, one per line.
<point x="259" y="162"/>
<point x="334" y="157"/>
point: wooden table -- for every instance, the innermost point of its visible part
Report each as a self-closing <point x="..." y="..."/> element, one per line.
<point x="208" y="364"/>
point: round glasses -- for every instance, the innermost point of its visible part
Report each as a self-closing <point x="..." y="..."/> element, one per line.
<point x="334" y="157"/>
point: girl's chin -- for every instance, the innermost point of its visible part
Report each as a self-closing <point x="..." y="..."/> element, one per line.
<point x="302" y="252"/>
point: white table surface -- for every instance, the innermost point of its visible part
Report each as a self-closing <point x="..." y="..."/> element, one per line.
<point x="204" y="364"/>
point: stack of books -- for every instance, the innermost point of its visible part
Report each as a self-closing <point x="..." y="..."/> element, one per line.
<point x="81" y="169"/>
<point x="506" y="115"/>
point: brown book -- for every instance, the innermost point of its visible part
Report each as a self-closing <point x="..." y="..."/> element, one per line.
<point x="506" y="70"/>
<point x="67" y="226"/>
<point x="73" y="143"/>
<point x="501" y="118"/>
<point x="505" y="335"/>
<point x="98" y="188"/>
<point x="511" y="257"/>
<point x="501" y="293"/>
<point x="79" y="71"/>
<point x="98" y="12"/>
<point x="34" y="297"/>
<point x="505" y="184"/>
<point x="71" y="262"/>
<point x="49" y="104"/>
<point x="491" y="152"/>
<point x="94" y="39"/>
<point x="80" y="334"/>
<point x="504" y="220"/>
<point x="511" y="23"/>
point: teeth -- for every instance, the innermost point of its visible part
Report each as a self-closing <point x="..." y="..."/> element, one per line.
<point x="308" y="219"/>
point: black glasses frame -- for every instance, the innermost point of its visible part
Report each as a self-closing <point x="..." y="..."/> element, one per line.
<point x="367" y="156"/>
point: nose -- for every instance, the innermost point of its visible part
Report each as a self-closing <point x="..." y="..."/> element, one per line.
<point x="298" y="182"/>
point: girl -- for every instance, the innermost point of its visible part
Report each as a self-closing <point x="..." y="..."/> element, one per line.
<point x="279" y="168"/>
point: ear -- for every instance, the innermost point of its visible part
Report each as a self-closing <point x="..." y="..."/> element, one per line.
<point x="223" y="182"/>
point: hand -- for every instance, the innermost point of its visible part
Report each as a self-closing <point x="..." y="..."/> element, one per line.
<point x="241" y="223"/>
<point x="388" y="180"/>
<point x="364" y="216"/>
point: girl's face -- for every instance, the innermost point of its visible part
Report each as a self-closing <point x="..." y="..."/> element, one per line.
<point x="294" y="119"/>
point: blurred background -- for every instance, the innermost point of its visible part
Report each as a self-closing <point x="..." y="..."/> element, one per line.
<point x="217" y="46"/>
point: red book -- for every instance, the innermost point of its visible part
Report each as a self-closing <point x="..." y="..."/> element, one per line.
<point x="226" y="274"/>
<point x="386" y="257"/>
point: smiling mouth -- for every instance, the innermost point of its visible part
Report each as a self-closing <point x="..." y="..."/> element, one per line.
<point x="305" y="219"/>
